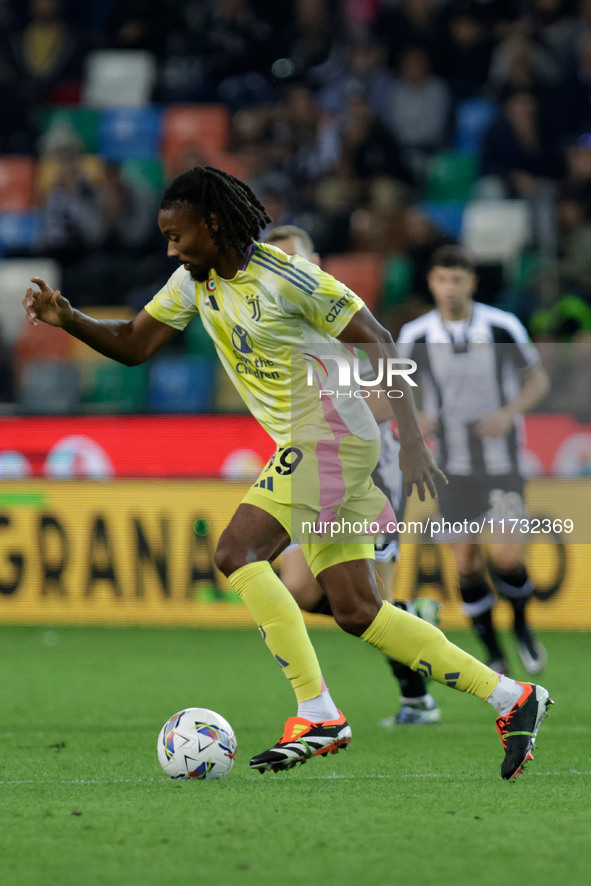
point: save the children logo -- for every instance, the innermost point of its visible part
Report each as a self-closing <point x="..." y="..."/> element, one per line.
<point x="241" y="340"/>
<point x="259" y="367"/>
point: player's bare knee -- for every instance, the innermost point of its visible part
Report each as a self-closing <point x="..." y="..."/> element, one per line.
<point x="355" y="621"/>
<point x="228" y="557"/>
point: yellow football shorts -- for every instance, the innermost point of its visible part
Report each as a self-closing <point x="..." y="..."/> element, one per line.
<point x="322" y="493"/>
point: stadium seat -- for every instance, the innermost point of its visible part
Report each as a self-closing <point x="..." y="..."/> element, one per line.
<point x="130" y="133"/>
<point x="446" y="215"/>
<point x="147" y="172"/>
<point x="497" y="231"/>
<point x="35" y="343"/>
<point x="17" y="183"/>
<point x="234" y="163"/>
<point x="49" y="387"/>
<point x="204" y="126"/>
<point x="20" y="231"/>
<point x="84" y="121"/>
<point x="15" y="275"/>
<point x="181" y="384"/>
<point x="473" y="117"/>
<point x="451" y="175"/>
<point x="398" y="278"/>
<point x="118" y="78"/>
<point x="360" y="271"/>
<point x="527" y="266"/>
<point x="111" y="387"/>
<point x="102" y="381"/>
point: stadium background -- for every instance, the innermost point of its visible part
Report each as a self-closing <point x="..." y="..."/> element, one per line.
<point x="115" y="482"/>
<point x="104" y="470"/>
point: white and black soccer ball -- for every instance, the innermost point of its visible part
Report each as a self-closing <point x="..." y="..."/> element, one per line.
<point x="196" y="743"/>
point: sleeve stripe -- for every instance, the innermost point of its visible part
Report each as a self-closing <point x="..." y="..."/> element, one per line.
<point x="290" y="277"/>
<point x="286" y="266"/>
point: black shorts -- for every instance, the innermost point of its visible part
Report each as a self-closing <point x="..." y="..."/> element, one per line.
<point x="481" y="499"/>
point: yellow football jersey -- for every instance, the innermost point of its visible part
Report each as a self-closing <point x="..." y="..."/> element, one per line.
<point x="271" y="325"/>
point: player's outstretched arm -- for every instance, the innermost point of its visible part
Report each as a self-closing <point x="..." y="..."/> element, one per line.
<point x="416" y="461"/>
<point x="127" y="341"/>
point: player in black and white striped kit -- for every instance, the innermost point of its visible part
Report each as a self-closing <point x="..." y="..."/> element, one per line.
<point x="478" y="373"/>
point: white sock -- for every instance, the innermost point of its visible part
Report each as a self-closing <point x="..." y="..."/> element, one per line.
<point x="506" y="693"/>
<point x="426" y="699"/>
<point x="320" y="708"/>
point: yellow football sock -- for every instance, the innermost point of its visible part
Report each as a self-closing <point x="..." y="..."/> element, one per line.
<point x="425" y="649"/>
<point x="282" y="625"/>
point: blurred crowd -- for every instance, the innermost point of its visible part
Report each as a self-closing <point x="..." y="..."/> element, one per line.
<point x="353" y="119"/>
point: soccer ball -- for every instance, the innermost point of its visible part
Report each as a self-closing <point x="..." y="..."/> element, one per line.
<point x="196" y="743"/>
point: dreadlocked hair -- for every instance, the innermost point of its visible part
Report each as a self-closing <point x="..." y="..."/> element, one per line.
<point x="214" y="193"/>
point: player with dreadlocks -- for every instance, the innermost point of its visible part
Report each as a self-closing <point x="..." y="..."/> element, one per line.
<point x="276" y="321"/>
<point x="239" y="216"/>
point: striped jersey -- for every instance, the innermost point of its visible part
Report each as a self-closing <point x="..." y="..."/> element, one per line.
<point x="468" y="369"/>
<point x="272" y="324"/>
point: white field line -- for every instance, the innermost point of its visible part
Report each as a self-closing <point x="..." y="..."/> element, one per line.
<point x="393" y="776"/>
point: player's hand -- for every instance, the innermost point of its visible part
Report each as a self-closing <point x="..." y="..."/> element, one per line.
<point x="46" y="304"/>
<point x="419" y="469"/>
<point x="495" y="424"/>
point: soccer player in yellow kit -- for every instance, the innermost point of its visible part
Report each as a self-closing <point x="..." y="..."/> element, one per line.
<point x="418" y="707"/>
<point x="270" y="317"/>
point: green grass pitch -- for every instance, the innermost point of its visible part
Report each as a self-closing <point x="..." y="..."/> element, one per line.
<point x="84" y="801"/>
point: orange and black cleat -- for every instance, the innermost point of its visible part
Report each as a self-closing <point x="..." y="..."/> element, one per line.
<point x="519" y="728"/>
<point x="301" y="740"/>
